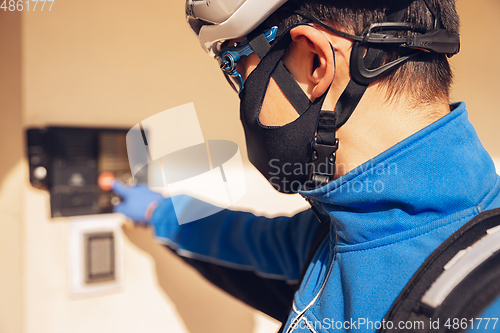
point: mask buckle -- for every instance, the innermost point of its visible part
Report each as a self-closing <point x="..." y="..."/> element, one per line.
<point x="322" y="168"/>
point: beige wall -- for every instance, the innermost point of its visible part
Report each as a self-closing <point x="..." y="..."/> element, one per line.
<point x="115" y="63"/>
<point x="477" y="77"/>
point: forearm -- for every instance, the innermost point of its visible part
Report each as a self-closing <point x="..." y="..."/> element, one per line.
<point x="272" y="247"/>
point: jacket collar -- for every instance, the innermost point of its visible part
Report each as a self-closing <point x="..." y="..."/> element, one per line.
<point x="441" y="170"/>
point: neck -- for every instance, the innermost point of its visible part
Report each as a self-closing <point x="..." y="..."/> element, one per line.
<point x="378" y="124"/>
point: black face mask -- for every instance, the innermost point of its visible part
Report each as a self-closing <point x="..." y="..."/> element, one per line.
<point x="287" y="155"/>
<point x="301" y="155"/>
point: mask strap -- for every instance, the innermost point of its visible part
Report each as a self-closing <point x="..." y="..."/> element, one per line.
<point x="354" y="91"/>
<point x="325" y="144"/>
<point x="283" y="78"/>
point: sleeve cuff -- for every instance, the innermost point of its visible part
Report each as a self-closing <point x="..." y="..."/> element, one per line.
<point x="164" y="221"/>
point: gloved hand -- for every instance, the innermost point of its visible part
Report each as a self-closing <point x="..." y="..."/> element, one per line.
<point x="138" y="201"/>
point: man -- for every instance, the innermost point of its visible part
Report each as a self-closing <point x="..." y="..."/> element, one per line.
<point x="347" y="103"/>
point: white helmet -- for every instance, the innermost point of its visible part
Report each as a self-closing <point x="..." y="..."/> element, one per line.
<point x="215" y="21"/>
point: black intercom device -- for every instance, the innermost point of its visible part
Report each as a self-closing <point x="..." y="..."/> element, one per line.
<point x="67" y="162"/>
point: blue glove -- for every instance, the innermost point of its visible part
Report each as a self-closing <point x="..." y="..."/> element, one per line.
<point x="138" y="201"/>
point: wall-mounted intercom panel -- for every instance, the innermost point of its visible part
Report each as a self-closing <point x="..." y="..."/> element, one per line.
<point x="67" y="162"/>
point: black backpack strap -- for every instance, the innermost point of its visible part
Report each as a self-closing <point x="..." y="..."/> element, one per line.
<point x="455" y="284"/>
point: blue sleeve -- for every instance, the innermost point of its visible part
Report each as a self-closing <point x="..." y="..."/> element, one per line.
<point x="270" y="247"/>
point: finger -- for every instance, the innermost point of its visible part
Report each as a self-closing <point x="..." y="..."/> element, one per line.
<point x="120" y="188"/>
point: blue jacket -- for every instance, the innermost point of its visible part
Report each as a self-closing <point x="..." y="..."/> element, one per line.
<point x="385" y="217"/>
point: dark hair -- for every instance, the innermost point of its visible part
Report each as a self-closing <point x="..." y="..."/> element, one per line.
<point x="426" y="77"/>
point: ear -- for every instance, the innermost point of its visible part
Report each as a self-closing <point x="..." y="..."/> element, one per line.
<point x="311" y="59"/>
